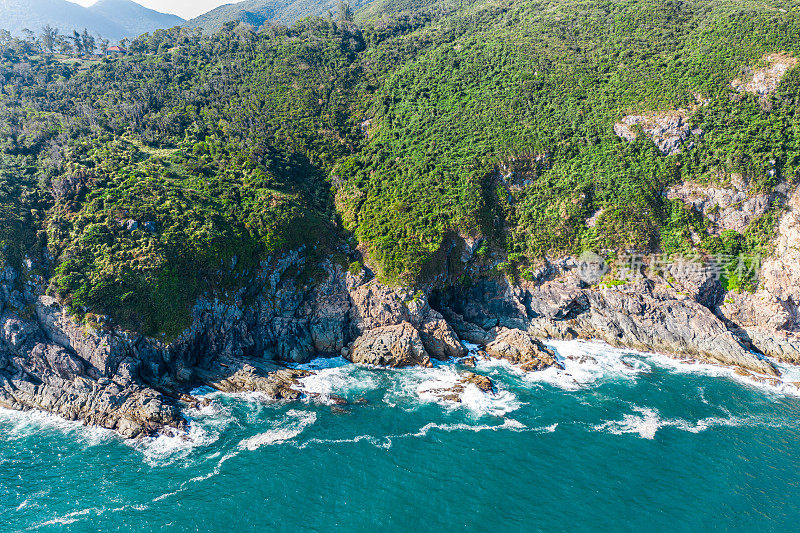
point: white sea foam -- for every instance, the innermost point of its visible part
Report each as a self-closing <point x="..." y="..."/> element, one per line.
<point x="508" y="423"/>
<point x="206" y="423"/>
<point x="435" y="385"/>
<point x="165" y="449"/>
<point x="21" y="424"/>
<point x="784" y="385"/>
<point x="321" y="363"/>
<point x="287" y="429"/>
<point x="472" y="349"/>
<point x="340" y="379"/>
<point x="82" y="514"/>
<point x="590" y="363"/>
<point x="648" y="421"/>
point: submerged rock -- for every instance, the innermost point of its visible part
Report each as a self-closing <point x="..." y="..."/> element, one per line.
<point x="453" y="393"/>
<point x="484" y="383"/>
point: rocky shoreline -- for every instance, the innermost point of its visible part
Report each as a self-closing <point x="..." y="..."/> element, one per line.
<point x="139" y="386"/>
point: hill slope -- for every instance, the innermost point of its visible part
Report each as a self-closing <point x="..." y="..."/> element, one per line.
<point x="493" y="122"/>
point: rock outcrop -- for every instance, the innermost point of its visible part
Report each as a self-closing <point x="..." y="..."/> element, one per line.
<point x="393" y="346"/>
<point x="375" y="306"/>
<point x="769" y="319"/>
<point x="521" y="348"/>
<point x="642" y="315"/>
<point x="139" y="386"/>
<point x="669" y="131"/>
<point x="765" y="80"/>
<point x="454" y="392"/>
<point x="727" y="208"/>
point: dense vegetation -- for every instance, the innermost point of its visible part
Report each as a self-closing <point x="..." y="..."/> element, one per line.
<point x="154" y="177"/>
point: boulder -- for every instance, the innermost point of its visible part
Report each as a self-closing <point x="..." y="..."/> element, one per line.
<point x="521" y="348"/>
<point x="393" y="346"/>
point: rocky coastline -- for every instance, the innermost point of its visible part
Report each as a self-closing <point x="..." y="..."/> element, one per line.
<point x="140" y="386"/>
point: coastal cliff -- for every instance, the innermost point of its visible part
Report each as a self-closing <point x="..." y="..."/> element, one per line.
<point x="251" y="339"/>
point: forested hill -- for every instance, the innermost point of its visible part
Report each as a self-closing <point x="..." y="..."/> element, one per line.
<point x="177" y="169"/>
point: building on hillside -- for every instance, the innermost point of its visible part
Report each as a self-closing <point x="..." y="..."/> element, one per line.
<point x="116" y="50"/>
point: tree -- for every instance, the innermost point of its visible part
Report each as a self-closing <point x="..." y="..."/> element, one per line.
<point x="76" y="38"/>
<point x="64" y="46"/>
<point x="48" y="38"/>
<point x="89" y="45"/>
<point x="345" y="12"/>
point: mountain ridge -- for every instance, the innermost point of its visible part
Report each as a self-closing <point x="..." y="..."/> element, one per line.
<point x="257" y="12"/>
<point x="112" y="19"/>
<point x="133" y="17"/>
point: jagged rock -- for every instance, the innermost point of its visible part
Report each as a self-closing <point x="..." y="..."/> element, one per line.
<point x="375" y="305"/>
<point x="439" y="339"/>
<point x="780" y="275"/>
<point x="235" y="375"/>
<point x="521" y="348"/>
<point x="470" y="332"/>
<point x="781" y="345"/>
<point x="632" y="315"/>
<point x="393" y="346"/>
<point x="135" y="385"/>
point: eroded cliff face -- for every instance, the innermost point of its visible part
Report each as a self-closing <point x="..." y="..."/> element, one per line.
<point x="770" y="317"/>
<point x="244" y="342"/>
<point x="250" y="339"/>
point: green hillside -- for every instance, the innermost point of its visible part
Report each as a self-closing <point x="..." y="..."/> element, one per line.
<point x="155" y="177"/>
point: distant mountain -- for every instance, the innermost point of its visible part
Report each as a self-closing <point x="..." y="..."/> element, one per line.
<point x="113" y="19"/>
<point x="257" y="12"/>
<point x="134" y="18"/>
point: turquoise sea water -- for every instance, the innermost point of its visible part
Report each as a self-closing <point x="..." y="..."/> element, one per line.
<point x="620" y="442"/>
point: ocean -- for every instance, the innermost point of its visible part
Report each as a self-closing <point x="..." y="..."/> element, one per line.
<point x="619" y="441"/>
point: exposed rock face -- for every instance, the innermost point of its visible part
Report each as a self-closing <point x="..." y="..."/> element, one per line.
<point x="376" y="306"/>
<point x="36" y="372"/>
<point x="642" y="315"/>
<point x="669" y="131"/>
<point x="521" y="348"/>
<point x="780" y="274"/>
<point x="254" y="376"/>
<point x="769" y="319"/>
<point x="765" y="80"/>
<point x="731" y="209"/>
<point x="393" y="346"/>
